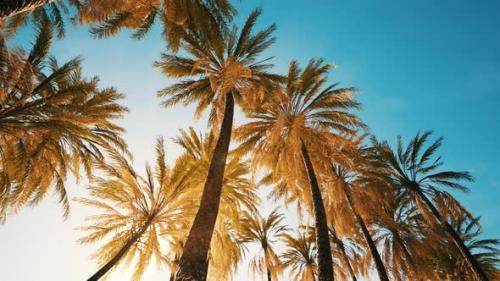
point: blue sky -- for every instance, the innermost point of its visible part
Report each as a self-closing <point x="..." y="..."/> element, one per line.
<point x="419" y="65"/>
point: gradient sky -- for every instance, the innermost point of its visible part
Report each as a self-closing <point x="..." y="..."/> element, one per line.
<point x="420" y="65"/>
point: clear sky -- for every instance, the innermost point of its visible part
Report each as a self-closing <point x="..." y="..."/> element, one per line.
<point x="420" y="65"/>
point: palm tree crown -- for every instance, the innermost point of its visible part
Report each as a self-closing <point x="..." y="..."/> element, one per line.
<point x="415" y="173"/>
<point x="219" y="61"/>
<point x="414" y="165"/>
<point x="305" y="111"/>
<point x="486" y="251"/>
<point x="300" y="257"/>
<point x="256" y="229"/>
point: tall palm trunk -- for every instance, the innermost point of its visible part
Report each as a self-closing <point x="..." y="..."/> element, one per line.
<point x="194" y="260"/>
<point x="110" y="264"/>
<point x="478" y="271"/>
<point x="341" y="247"/>
<point x="325" y="262"/>
<point x="382" y="272"/>
<point x="268" y="270"/>
<point x="13" y="7"/>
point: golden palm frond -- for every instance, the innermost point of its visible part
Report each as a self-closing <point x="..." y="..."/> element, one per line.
<point x="299" y="257"/>
<point x="219" y="61"/>
<point x="53" y="13"/>
<point x="53" y="122"/>
<point x="414" y="172"/>
<point x="153" y="210"/>
<point x="448" y="261"/>
<point x="304" y="111"/>
<point x="109" y="17"/>
<point x="263" y="231"/>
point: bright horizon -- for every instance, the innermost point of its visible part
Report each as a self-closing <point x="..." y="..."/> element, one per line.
<point x="419" y="66"/>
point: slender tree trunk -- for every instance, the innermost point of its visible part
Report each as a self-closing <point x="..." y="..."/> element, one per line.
<point x="478" y="271"/>
<point x="110" y="264"/>
<point x="13" y="7"/>
<point x="194" y="260"/>
<point x="268" y="274"/>
<point x="382" y="272"/>
<point x="340" y="245"/>
<point x="325" y="262"/>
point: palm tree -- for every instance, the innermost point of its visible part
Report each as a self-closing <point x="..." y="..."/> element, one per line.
<point x="238" y="196"/>
<point x="452" y="266"/>
<point x="136" y="213"/>
<point x="413" y="171"/>
<point x="346" y="187"/>
<point x="293" y="129"/>
<point x="255" y="229"/>
<point x="53" y="121"/>
<point x="220" y="67"/>
<point x="300" y="257"/>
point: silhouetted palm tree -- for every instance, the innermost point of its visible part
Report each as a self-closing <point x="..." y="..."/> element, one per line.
<point x="451" y="265"/>
<point x="413" y="170"/>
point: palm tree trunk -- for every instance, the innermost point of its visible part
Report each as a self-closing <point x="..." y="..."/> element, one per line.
<point x="340" y="245"/>
<point x="325" y="262"/>
<point x="194" y="260"/>
<point x="110" y="264"/>
<point x="478" y="271"/>
<point x="13" y="7"/>
<point x="382" y="272"/>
